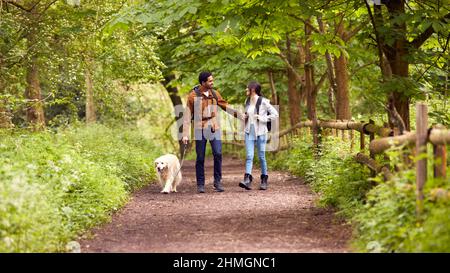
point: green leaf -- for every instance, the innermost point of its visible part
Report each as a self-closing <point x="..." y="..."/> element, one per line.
<point x="192" y="10"/>
<point x="437" y="26"/>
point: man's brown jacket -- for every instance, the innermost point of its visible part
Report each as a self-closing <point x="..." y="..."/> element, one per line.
<point x="208" y="110"/>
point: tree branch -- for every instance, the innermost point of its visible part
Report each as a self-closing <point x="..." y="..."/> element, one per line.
<point x="384" y="64"/>
<point x="320" y="83"/>
<point x="354" y="71"/>
<point x="19" y="6"/>
<point x="419" y="40"/>
<point x="48" y="6"/>
<point x="330" y="68"/>
<point x="355" y="31"/>
<point x="288" y="64"/>
<point x="437" y="59"/>
<point x="304" y="22"/>
<point x="395" y="117"/>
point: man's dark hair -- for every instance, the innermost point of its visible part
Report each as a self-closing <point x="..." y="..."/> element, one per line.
<point x="256" y="86"/>
<point x="203" y="77"/>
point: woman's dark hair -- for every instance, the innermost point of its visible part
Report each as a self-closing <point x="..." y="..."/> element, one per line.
<point x="203" y="77"/>
<point x="256" y="86"/>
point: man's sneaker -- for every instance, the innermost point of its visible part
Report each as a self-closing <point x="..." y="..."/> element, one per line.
<point x="200" y="188"/>
<point x="218" y="186"/>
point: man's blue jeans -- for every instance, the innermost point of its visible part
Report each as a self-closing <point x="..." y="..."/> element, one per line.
<point x="201" y="138"/>
<point x="250" y="140"/>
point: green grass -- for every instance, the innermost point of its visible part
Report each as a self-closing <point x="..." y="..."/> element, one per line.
<point x="55" y="186"/>
<point x="388" y="221"/>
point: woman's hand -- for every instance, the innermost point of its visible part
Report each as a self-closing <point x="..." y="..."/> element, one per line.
<point x="260" y="118"/>
<point x="242" y="116"/>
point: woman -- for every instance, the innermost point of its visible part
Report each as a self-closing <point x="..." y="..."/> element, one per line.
<point x="258" y="111"/>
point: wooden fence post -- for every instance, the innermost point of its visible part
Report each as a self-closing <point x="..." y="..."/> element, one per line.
<point x="352" y="142"/>
<point x="421" y="149"/>
<point x="372" y="155"/>
<point x="362" y="139"/>
<point x="336" y="131"/>
<point x="371" y="137"/>
<point x="440" y="158"/>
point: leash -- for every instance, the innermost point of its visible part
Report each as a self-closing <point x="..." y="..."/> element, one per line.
<point x="182" y="160"/>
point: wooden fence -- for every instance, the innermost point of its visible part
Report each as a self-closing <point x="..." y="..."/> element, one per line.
<point x="438" y="136"/>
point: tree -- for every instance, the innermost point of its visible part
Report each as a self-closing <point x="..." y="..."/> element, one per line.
<point x="60" y="52"/>
<point x="398" y="40"/>
<point x="31" y="15"/>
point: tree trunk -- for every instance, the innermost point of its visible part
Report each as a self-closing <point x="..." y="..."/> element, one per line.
<point x="309" y="87"/>
<point x="309" y="84"/>
<point x="397" y="57"/>
<point x="5" y="115"/>
<point x="91" y="116"/>
<point x="342" y="97"/>
<point x="332" y="91"/>
<point x="293" y="94"/>
<point x="331" y="101"/>
<point x="301" y="63"/>
<point x="341" y="72"/>
<point x="293" y="99"/>
<point x="35" y="108"/>
<point x="178" y="105"/>
<point x="5" y="118"/>
<point x="272" y="88"/>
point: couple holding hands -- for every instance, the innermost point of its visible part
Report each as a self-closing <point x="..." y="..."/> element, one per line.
<point x="202" y="109"/>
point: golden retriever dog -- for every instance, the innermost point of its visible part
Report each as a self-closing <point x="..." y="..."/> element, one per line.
<point x="169" y="173"/>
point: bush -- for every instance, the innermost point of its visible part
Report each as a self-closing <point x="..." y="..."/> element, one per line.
<point x="388" y="221"/>
<point x="123" y="151"/>
<point x="54" y="186"/>
<point x="434" y="234"/>
<point x="388" y="217"/>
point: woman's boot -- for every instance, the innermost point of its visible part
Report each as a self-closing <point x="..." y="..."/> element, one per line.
<point x="247" y="182"/>
<point x="264" y="178"/>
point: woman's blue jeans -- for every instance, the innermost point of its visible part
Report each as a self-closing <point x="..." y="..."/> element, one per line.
<point x="250" y="140"/>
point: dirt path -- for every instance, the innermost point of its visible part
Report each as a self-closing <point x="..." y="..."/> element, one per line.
<point x="281" y="219"/>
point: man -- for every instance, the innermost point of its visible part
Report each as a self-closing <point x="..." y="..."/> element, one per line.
<point x="201" y="107"/>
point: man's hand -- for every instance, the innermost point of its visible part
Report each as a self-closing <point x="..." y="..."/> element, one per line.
<point x="185" y="140"/>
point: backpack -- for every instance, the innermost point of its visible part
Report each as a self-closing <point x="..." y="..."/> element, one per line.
<point x="258" y="104"/>
<point x="198" y="93"/>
